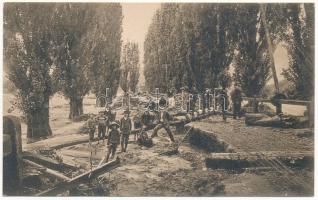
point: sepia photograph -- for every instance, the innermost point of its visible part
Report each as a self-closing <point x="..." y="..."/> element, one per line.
<point x="158" y="99"/>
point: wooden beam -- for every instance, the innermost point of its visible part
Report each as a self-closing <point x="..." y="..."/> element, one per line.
<point x="241" y="160"/>
<point x="48" y="171"/>
<point x="260" y="155"/>
<point x="283" y="101"/>
<point x="47" y="162"/>
<point x="81" y="178"/>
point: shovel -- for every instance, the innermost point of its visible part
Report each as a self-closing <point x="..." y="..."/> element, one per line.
<point x="176" y="149"/>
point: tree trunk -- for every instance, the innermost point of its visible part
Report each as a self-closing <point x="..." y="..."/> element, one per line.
<point x="76" y="108"/>
<point x="38" y="122"/>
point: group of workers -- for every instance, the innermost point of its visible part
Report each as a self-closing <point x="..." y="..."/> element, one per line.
<point x="119" y="131"/>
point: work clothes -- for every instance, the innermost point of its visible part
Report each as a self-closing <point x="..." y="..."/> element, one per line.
<point x="146" y="119"/>
<point x="110" y="115"/>
<point x="125" y="128"/>
<point x="163" y="118"/>
<point x="143" y="139"/>
<point x="124" y="142"/>
<point x="113" y="137"/>
<point x="102" y="123"/>
<point x="111" y="149"/>
<point x="113" y="141"/>
<point x="125" y="125"/>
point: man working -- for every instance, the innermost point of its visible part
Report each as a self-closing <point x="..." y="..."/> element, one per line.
<point x="125" y="128"/>
<point x="146" y="118"/>
<point x="163" y="122"/>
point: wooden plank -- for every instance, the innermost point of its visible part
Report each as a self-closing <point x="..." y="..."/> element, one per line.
<point x="47" y="162"/>
<point x="283" y="101"/>
<point x="48" y="171"/>
<point x="81" y="154"/>
<point x="241" y="160"/>
<point x="259" y="155"/>
<point x="81" y="178"/>
<point x="72" y="143"/>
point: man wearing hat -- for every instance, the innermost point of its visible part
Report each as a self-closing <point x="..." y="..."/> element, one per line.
<point x="102" y="123"/>
<point x="163" y="122"/>
<point x="125" y="128"/>
<point x="113" y="139"/>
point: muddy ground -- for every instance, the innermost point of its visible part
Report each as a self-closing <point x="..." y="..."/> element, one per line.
<point x="143" y="172"/>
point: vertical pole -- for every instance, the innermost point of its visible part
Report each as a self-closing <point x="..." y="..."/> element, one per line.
<point x="12" y="156"/>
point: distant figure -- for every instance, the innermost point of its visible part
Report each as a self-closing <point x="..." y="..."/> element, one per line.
<point x="163" y="122"/>
<point x="113" y="140"/>
<point x="91" y="127"/>
<point x="102" y="124"/>
<point x="146" y="118"/>
<point x="185" y="98"/>
<point x="137" y="123"/>
<point x="276" y="102"/>
<point x="126" y="99"/>
<point x="110" y="114"/>
<point x="125" y="129"/>
<point x="236" y="97"/>
<point x="194" y="99"/>
<point x="223" y="102"/>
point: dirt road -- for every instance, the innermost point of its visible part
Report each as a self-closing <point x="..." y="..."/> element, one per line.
<point x="144" y="172"/>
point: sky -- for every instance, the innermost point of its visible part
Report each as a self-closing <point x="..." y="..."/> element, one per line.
<point x="281" y="60"/>
<point x="137" y="18"/>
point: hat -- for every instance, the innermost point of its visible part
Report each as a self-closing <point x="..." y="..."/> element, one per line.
<point x="127" y="112"/>
<point x="113" y="124"/>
